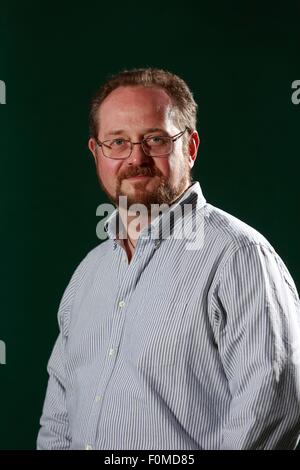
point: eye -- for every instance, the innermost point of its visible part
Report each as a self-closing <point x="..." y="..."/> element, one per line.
<point x="156" y="140"/>
<point x="119" y="142"/>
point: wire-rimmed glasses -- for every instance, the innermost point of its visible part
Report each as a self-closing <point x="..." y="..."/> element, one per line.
<point x="153" y="146"/>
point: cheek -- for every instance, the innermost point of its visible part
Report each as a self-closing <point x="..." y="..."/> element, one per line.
<point x="108" y="170"/>
<point x="177" y="167"/>
<point x="164" y="166"/>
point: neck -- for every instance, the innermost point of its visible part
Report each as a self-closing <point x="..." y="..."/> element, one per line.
<point x="133" y="224"/>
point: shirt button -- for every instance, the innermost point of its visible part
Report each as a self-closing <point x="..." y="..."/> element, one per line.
<point x="98" y="398"/>
<point x="88" y="447"/>
<point x="111" y="352"/>
<point x="121" y="303"/>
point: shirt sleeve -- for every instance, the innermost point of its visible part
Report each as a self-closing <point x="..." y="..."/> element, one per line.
<point x="259" y="344"/>
<point x="54" y="433"/>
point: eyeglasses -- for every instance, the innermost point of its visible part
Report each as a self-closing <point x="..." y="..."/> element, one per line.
<point x="153" y="146"/>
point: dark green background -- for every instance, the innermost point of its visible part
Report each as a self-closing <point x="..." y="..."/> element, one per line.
<point x="239" y="58"/>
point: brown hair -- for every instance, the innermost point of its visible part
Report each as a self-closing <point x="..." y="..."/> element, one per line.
<point x="185" y="106"/>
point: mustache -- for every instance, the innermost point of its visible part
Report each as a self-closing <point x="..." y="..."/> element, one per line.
<point x="140" y="171"/>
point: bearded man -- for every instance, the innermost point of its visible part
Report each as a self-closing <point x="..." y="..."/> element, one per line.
<point x="165" y="343"/>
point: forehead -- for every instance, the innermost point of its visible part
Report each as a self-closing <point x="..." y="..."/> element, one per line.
<point x="129" y="106"/>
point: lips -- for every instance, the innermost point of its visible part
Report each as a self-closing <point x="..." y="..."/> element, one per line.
<point x="138" y="177"/>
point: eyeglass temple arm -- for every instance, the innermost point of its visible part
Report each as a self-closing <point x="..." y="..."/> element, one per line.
<point x="180" y="134"/>
<point x="102" y="144"/>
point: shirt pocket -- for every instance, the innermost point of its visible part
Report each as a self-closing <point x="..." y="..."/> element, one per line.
<point x="157" y="337"/>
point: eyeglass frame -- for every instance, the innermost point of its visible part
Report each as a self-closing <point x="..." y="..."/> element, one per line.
<point x="173" y="139"/>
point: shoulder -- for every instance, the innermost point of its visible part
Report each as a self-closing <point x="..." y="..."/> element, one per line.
<point x="91" y="260"/>
<point x="229" y="232"/>
<point x="235" y="245"/>
<point x="96" y="254"/>
<point x="243" y="249"/>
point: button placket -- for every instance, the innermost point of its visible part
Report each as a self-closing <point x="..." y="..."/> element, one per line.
<point x="126" y="287"/>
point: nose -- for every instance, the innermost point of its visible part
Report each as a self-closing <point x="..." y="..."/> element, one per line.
<point x="138" y="155"/>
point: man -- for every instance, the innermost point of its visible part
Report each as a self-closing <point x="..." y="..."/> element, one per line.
<point x="181" y="331"/>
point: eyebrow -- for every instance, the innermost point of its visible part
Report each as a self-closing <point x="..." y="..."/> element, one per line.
<point x="146" y="131"/>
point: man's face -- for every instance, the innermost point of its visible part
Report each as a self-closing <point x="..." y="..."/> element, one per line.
<point x="134" y="113"/>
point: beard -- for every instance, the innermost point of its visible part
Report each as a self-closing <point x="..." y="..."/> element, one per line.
<point x="163" y="193"/>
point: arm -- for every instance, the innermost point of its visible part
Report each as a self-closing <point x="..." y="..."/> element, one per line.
<point x="55" y="433"/>
<point x="259" y="344"/>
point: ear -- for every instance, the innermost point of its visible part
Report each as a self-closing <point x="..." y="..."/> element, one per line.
<point x="92" y="144"/>
<point x="194" y="142"/>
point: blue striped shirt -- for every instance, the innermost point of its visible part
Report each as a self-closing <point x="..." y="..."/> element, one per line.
<point x="180" y="348"/>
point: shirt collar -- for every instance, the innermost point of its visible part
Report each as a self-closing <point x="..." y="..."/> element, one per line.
<point x="168" y="221"/>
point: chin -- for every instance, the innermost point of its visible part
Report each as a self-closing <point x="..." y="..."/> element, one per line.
<point x="130" y="189"/>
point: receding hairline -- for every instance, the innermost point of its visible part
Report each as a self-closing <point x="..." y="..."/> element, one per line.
<point x="182" y="103"/>
<point x="173" y="110"/>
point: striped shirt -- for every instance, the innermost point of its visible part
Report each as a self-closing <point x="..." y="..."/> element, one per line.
<point x="180" y="348"/>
